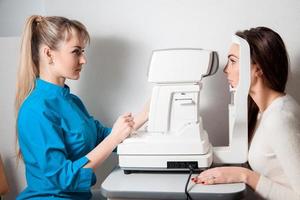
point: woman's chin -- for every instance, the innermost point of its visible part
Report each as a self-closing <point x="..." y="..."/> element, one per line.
<point x="74" y="77"/>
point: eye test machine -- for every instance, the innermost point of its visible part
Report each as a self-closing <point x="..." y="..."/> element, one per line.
<point x="175" y="139"/>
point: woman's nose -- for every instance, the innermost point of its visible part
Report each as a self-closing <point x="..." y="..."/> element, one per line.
<point x="83" y="59"/>
<point x="225" y="70"/>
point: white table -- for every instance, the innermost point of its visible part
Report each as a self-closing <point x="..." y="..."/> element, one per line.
<point x="153" y="185"/>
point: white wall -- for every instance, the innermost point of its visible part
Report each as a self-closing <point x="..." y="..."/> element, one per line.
<point x="14" y="12"/>
<point x="124" y="32"/>
<point x="8" y="69"/>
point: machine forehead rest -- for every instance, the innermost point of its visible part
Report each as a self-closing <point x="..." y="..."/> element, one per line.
<point x="182" y="65"/>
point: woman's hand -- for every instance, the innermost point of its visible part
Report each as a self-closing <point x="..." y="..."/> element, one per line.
<point x="222" y="175"/>
<point x="123" y="127"/>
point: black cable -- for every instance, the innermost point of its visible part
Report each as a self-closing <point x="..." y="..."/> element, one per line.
<point x="188" y="196"/>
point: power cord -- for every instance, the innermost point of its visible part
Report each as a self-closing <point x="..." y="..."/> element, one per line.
<point x="188" y="196"/>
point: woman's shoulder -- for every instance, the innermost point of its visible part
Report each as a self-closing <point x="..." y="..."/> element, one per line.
<point x="38" y="103"/>
<point x="283" y="113"/>
<point x="282" y="106"/>
<point x="281" y="125"/>
<point x="290" y="104"/>
<point x="32" y="102"/>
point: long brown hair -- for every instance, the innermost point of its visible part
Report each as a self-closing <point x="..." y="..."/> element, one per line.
<point x="267" y="49"/>
<point x="38" y="30"/>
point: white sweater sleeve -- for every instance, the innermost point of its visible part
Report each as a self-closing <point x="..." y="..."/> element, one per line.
<point x="271" y="190"/>
<point x="284" y="131"/>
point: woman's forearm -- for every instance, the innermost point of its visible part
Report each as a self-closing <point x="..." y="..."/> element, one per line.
<point x="140" y="119"/>
<point x="99" y="154"/>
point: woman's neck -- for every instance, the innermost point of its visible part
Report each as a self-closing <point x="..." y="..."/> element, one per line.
<point x="263" y="96"/>
<point x="49" y="77"/>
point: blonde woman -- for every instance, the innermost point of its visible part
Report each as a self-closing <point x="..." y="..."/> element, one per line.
<point x="60" y="143"/>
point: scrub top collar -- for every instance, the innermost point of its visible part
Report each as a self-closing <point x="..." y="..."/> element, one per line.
<point x="52" y="88"/>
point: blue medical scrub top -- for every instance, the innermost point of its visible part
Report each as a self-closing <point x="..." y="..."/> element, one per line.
<point x="55" y="133"/>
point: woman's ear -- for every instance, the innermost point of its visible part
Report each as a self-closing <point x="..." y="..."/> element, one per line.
<point x="257" y="70"/>
<point x="48" y="54"/>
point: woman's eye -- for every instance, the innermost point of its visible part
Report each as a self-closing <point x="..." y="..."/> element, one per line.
<point x="232" y="61"/>
<point x="78" y="52"/>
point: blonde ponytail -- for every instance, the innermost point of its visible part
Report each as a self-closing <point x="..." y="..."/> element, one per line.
<point x="27" y="72"/>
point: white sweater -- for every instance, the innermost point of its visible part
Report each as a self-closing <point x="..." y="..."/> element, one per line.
<point x="275" y="150"/>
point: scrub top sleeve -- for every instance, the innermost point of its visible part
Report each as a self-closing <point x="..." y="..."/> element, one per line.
<point x="42" y="138"/>
<point x="102" y="131"/>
